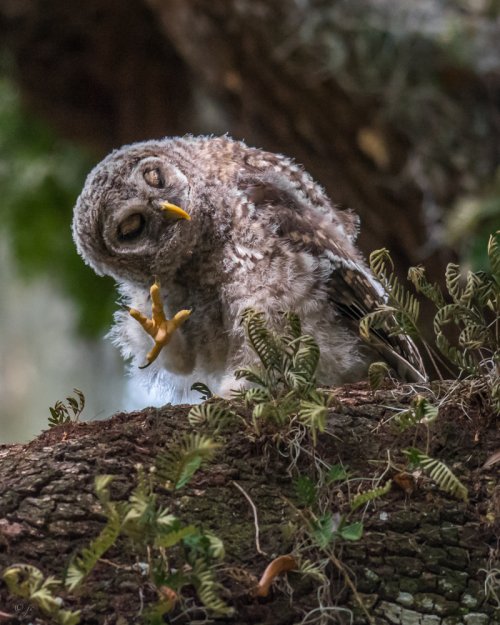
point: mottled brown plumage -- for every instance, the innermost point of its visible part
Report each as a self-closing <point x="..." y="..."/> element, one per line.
<point x="262" y="234"/>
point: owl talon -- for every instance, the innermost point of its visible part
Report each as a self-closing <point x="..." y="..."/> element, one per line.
<point x="158" y="327"/>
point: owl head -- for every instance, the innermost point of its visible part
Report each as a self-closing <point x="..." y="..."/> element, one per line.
<point x="134" y="217"/>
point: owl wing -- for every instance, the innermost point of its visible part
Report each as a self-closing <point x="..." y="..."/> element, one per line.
<point x="319" y="229"/>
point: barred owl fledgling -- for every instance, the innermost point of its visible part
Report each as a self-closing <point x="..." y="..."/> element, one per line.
<point x="223" y="227"/>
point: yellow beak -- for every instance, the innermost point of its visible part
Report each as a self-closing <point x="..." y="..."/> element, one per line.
<point x="172" y="210"/>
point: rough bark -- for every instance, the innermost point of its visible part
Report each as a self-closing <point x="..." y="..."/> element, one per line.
<point x="394" y="116"/>
<point x="423" y="558"/>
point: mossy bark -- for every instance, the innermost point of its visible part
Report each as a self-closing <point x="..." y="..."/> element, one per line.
<point x="423" y="558"/>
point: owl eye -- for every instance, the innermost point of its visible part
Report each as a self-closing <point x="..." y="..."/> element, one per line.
<point x="154" y="178"/>
<point x="131" y="227"/>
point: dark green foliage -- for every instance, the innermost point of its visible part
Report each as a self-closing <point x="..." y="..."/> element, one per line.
<point x="63" y="412"/>
<point x="305" y="491"/>
<point x="40" y="179"/>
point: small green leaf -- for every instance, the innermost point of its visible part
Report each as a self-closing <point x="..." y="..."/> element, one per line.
<point x="351" y="532"/>
<point x="305" y="490"/>
<point x="370" y="495"/>
<point x="324" y="530"/>
<point x="336" y="473"/>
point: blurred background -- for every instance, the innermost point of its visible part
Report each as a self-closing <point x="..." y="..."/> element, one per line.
<point x="393" y="107"/>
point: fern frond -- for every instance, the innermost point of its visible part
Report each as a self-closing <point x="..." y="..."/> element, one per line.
<point x="370" y="495"/>
<point x="406" y="307"/>
<point x="24" y="580"/>
<point x="216" y="415"/>
<point x="377" y="372"/>
<point x="494" y="255"/>
<point x="174" y="537"/>
<point x="183" y="459"/>
<point x="311" y="569"/>
<point x="313" y="412"/>
<point x="376" y="320"/>
<point x="255" y="396"/>
<point x="202" y="389"/>
<point x="452" y="278"/>
<point x="306" y="358"/>
<point x="445" y="315"/>
<point x="473" y="336"/>
<point x="473" y="283"/>
<point x="439" y="472"/>
<point x="209" y="589"/>
<point x="424" y="410"/>
<point x="60" y="412"/>
<point x="83" y="563"/>
<point x="215" y="546"/>
<point x="260" y="338"/>
<point x="294" y="326"/>
<point x="417" y="277"/>
<point x="253" y="375"/>
<point x="379" y="259"/>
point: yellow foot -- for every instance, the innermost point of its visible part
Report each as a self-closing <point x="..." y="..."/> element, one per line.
<point x="158" y="327"/>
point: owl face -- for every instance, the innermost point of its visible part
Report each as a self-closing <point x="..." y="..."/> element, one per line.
<point x="127" y="223"/>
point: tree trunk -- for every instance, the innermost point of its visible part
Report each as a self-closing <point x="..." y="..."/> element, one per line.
<point x="423" y="559"/>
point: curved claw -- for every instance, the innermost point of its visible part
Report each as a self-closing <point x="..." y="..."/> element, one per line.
<point x="158" y="327"/>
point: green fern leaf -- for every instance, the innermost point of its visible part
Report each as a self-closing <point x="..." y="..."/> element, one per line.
<point x="83" y="563"/>
<point x="352" y="532"/>
<point x="294" y="326"/>
<point x="208" y="589"/>
<point x="174" y="537"/>
<point x="312" y="413"/>
<point x="473" y="336"/>
<point x="216" y="415"/>
<point x="252" y="375"/>
<point x="256" y="396"/>
<point x="425" y="412"/>
<point x="439" y="472"/>
<point x="494" y="255"/>
<point x="370" y="495"/>
<point x="305" y="360"/>
<point x="215" y="546"/>
<point x="183" y="459"/>
<point x="261" y="339"/>
<point x="452" y="277"/>
<point x="417" y="277"/>
<point x="311" y="569"/>
<point x="377" y="372"/>
<point x="379" y="259"/>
